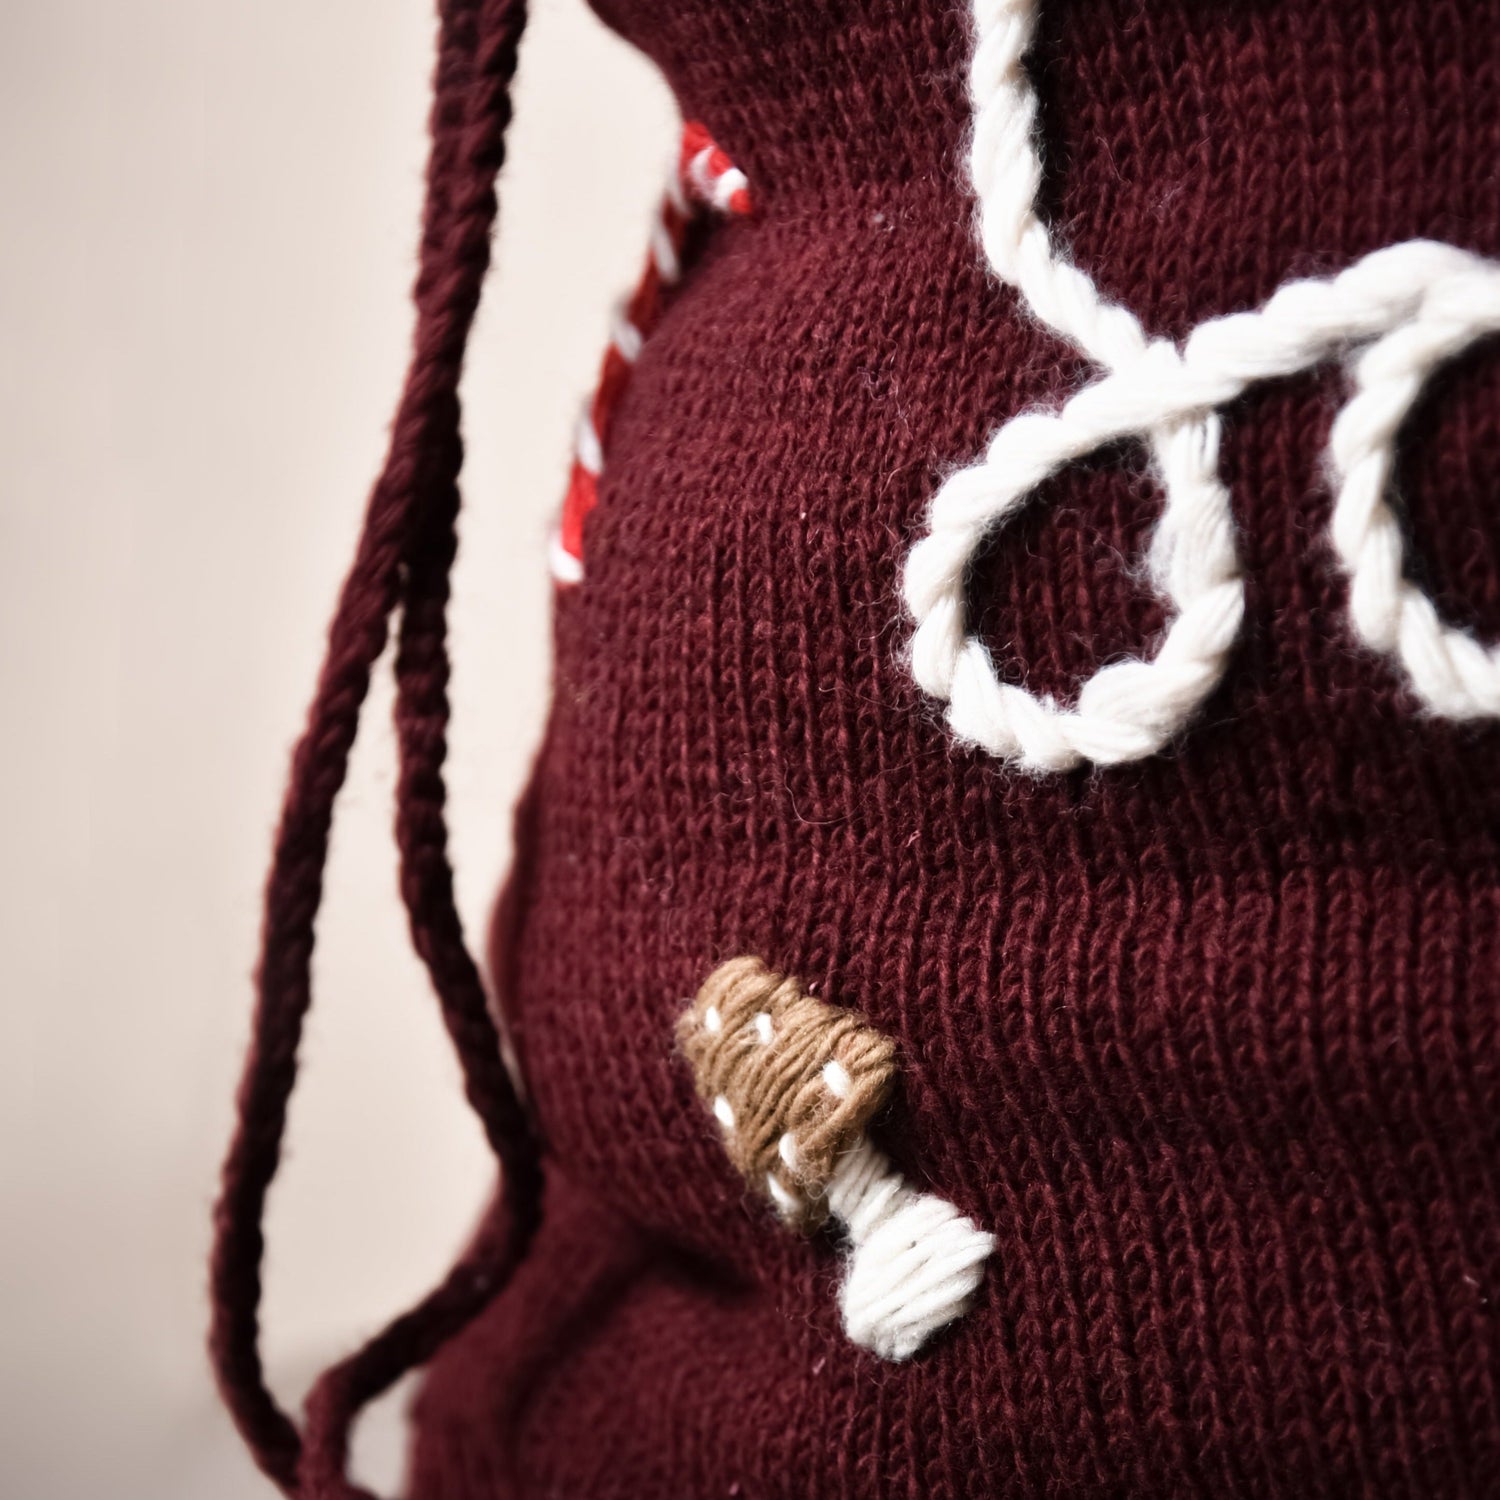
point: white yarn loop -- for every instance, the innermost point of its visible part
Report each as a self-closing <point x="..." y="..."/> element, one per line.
<point x="1415" y="305"/>
<point x="914" y="1261"/>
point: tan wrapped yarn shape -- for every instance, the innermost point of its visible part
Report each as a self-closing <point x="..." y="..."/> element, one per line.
<point x="792" y="1081"/>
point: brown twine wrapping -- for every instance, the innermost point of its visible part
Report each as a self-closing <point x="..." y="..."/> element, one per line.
<point x="760" y="1048"/>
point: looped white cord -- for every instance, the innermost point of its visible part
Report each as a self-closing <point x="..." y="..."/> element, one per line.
<point x="1421" y="301"/>
<point x="1451" y="671"/>
<point x="914" y="1261"/>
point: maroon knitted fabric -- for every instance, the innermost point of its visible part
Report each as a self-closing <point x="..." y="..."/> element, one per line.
<point x="1208" y="1042"/>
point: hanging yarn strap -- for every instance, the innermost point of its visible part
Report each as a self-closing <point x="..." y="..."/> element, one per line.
<point x="703" y="183"/>
<point x="793" y="1082"/>
<point x="403" y="559"/>
<point x="1419" y="302"/>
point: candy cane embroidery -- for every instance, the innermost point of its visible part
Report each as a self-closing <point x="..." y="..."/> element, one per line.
<point x="1414" y="304"/>
<point x="705" y="182"/>
<point x="793" y="1083"/>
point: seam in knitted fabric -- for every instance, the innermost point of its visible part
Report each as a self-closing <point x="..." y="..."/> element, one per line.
<point x="1415" y="304"/>
<point x="793" y="1082"/>
<point x="703" y="183"/>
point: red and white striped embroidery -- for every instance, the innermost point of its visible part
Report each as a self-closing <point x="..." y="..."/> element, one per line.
<point x="705" y="183"/>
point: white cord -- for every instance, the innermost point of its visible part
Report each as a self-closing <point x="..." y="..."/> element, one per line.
<point x="1422" y="302"/>
<point x="914" y="1260"/>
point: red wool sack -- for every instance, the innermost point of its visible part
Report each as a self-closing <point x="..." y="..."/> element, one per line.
<point x="1002" y="961"/>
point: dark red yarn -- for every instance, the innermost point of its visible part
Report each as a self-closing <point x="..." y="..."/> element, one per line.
<point x="403" y="560"/>
<point x="1211" y="1043"/>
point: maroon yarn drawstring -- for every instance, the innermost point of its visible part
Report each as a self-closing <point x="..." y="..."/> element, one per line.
<point x="403" y="560"/>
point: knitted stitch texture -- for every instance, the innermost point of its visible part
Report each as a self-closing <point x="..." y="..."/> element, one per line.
<point x="1420" y="303"/>
<point x="1209" y="1042"/>
<point x="704" y="181"/>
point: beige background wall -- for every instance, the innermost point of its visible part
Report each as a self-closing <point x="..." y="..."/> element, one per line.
<point x="207" y="224"/>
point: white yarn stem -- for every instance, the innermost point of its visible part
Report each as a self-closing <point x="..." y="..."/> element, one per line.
<point x="914" y="1261"/>
<point x="1421" y="302"/>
